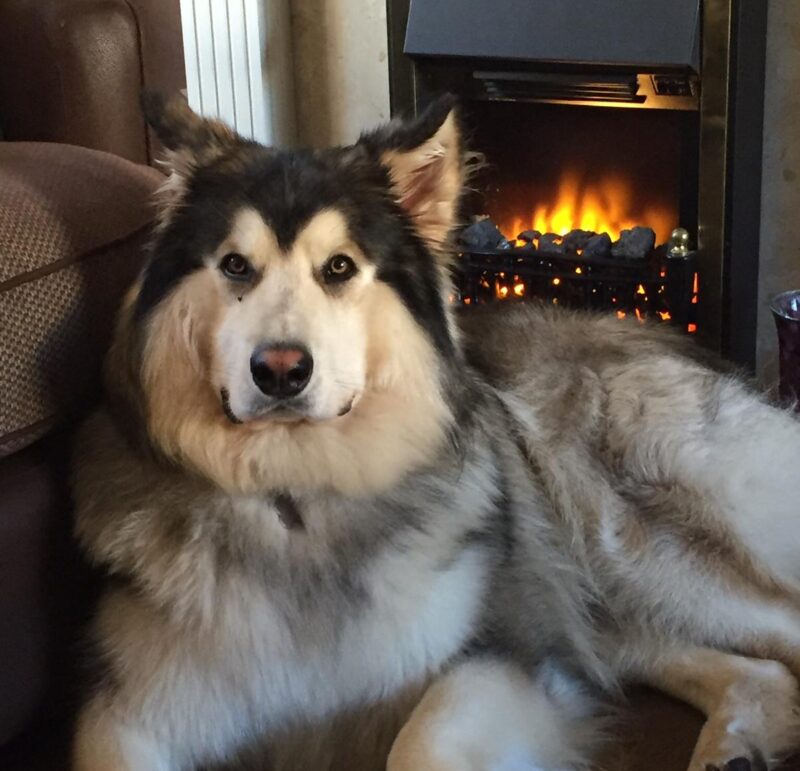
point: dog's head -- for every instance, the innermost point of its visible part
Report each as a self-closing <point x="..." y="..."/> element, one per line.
<point x="292" y="321"/>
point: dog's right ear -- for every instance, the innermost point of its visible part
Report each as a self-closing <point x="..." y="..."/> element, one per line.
<point x="190" y="141"/>
<point x="425" y="161"/>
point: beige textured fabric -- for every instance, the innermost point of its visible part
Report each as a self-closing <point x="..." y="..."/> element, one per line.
<point x="72" y="228"/>
<point x="41" y="365"/>
<point x="60" y="201"/>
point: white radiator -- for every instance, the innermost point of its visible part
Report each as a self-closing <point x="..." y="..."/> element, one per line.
<point x="239" y="65"/>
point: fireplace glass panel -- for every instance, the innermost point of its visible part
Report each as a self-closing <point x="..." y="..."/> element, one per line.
<point x="553" y="168"/>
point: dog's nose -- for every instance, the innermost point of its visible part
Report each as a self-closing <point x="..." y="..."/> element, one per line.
<point x="281" y="370"/>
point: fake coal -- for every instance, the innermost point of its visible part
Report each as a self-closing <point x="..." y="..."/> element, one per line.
<point x="635" y="244"/>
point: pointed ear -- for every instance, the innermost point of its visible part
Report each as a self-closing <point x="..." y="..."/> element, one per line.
<point x="190" y="141"/>
<point x="425" y="160"/>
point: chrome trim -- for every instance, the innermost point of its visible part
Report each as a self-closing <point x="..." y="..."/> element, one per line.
<point x="712" y="193"/>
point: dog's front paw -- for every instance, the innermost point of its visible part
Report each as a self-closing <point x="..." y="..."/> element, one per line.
<point x="719" y="749"/>
<point x="752" y="762"/>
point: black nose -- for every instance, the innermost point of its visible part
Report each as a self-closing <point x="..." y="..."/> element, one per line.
<point x="281" y="370"/>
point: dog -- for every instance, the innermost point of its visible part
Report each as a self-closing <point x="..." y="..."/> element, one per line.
<point x="346" y="527"/>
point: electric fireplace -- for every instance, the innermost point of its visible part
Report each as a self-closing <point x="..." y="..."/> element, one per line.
<point x="605" y="126"/>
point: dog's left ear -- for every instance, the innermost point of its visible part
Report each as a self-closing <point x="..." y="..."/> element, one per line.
<point x="426" y="167"/>
<point x="190" y="140"/>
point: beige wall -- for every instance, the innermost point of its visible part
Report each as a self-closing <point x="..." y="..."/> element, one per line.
<point x="780" y="190"/>
<point x="341" y="69"/>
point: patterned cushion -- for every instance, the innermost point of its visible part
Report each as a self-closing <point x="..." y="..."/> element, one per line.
<point x="73" y="224"/>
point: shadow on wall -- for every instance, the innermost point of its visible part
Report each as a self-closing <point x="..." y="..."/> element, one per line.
<point x="341" y="69"/>
<point x="780" y="202"/>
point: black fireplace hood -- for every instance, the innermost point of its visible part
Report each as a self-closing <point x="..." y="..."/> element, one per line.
<point x="642" y="35"/>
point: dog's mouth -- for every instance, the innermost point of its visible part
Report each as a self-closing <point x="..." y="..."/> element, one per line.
<point x="347" y="407"/>
<point x="279" y="412"/>
<point x="225" y="398"/>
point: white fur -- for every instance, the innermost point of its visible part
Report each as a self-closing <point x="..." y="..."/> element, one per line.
<point x="489" y="716"/>
<point x="748" y="461"/>
<point x="240" y="669"/>
<point x="745" y="460"/>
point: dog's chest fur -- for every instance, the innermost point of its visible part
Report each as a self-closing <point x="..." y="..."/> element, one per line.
<point x="366" y="634"/>
<point x="353" y="601"/>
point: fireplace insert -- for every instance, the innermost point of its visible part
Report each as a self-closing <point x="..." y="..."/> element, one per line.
<point x="605" y="126"/>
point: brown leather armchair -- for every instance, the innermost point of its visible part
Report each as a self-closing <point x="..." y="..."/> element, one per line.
<point x="72" y="71"/>
<point x="74" y="217"/>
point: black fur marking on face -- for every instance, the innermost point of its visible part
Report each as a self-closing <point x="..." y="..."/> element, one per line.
<point x="419" y="292"/>
<point x="160" y="277"/>
<point x="204" y="221"/>
<point x="226" y="406"/>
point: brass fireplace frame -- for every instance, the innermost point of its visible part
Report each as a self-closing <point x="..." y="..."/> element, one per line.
<point x="733" y="44"/>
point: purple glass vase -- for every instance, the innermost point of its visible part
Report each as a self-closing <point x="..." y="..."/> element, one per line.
<point x="785" y="308"/>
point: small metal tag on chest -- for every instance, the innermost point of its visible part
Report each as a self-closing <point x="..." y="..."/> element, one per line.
<point x="288" y="512"/>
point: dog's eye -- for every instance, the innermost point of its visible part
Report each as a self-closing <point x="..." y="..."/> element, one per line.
<point x="235" y="266"/>
<point x="340" y="267"/>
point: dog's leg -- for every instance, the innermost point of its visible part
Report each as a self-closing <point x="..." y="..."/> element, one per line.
<point x="490" y="716"/>
<point x="752" y="705"/>
<point x="105" y="743"/>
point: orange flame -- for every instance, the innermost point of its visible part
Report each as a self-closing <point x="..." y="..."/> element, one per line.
<point x="606" y="206"/>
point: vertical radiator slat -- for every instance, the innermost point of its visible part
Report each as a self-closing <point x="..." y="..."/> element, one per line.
<point x="241" y="80"/>
<point x="238" y="65"/>
<point x="256" y="36"/>
<point x="205" y="57"/>
<point x="190" y="51"/>
<point x="223" y="71"/>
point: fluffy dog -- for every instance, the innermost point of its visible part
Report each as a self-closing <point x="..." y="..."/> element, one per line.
<point x="344" y="527"/>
